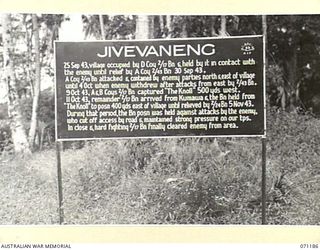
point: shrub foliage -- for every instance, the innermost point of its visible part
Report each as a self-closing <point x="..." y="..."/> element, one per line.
<point x="173" y="181"/>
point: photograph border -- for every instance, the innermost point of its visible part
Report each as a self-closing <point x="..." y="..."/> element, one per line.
<point x="175" y="233"/>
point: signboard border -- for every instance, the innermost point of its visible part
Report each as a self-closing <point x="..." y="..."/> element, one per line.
<point x="175" y="136"/>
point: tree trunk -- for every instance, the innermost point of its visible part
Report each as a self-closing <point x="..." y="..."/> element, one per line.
<point x="144" y="27"/>
<point x="236" y="21"/>
<point x="18" y="133"/>
<point x="223" y="26"/>
<point x="161" y="25"/>
<point x="212" y="22"/>
<point x="290" y="71"/>
<point x="36" y="90"/>
<point x="184" y="30"/>
<point x="151" y="27"/>
<point x="103" y="33"/>
<point x="28" y="68"/>
<point x="291" y="68"/>
<point x="169" y="26"/>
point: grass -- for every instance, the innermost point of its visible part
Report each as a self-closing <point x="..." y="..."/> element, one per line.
<point x="172" y="181"/>
<point x="28" y="196"/>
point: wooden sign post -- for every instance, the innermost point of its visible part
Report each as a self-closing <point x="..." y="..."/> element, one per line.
<point x="59" y="176"/>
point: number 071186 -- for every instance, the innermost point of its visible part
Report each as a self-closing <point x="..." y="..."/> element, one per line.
<point x="309" y="246"/>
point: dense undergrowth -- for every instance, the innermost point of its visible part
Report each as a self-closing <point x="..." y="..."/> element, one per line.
<point x="172" y="181"/>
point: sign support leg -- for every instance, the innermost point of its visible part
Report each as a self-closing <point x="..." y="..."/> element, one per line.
<point x="263" y="180"/>
<point x="59" y="175"/>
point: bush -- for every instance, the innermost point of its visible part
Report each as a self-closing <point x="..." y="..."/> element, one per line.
<point x="6" y="146"/>
<point x="46" y="121"/>
<point x="177" y="181"/>
<point x="181" y="181"/>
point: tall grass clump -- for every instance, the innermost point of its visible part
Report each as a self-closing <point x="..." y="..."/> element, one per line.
<point x="197" y="180"/>
<point x="160" y="181"/>
<point x="172" y="181"/>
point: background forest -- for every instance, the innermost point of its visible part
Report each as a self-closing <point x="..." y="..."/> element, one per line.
<point x="157" y="181"/>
